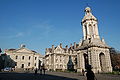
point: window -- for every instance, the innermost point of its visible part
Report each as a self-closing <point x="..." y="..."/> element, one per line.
<point x="15" y="63"/>
<point x="29" y="57"/>
<point x="16" y="57"/>
<point x="22" y="66"/>
<point x="35" y="58"/>
<point x="22" y="57"/>
<point x="35" y="64"/>
<point x="29" y="64"/>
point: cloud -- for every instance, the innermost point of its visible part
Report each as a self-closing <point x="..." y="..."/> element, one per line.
<point x="39" y="30"/>
<point x="19" y="34"/>
<point x="42" y="29"/>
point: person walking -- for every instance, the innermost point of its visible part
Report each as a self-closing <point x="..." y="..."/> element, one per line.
<point x="40" y="70"/>
<point x="83" y="72"/>
<point x="44" y="70"/>
<point x="35" y="71"/>
<point x="90" y="74"/>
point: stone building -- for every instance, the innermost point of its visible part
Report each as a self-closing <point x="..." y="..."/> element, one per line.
<point x="91" y="50"/>
<point x="25" y="58"/>
<point x="57" y="58"/>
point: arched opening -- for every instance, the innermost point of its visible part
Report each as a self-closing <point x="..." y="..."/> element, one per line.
<point x="85" y="60"/>
<point x="102" y="61"/>
<point x="90" y="30"/>
<point x="86" y="32"/>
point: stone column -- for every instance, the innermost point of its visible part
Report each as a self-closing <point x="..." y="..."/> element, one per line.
<point x="88" y="33"/>
<point x="89" y="56"/>
<point x="98" y="62"/>
<point x="81" y="64"/>
<point x="96" y="30"/>
<point x="84" y="32"/>
<point x="108" y="62"/>
<point x="94" y="61"/>
<point x="49" y="61"/>
<point x="78" y="62"/>
<point x="54" y="63"/>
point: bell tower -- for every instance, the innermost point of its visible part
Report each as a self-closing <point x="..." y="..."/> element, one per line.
<point x="92" y="50"/>
<point x="89" y="24"/>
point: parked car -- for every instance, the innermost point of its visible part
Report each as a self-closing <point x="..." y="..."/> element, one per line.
<point x="7" y="69"/>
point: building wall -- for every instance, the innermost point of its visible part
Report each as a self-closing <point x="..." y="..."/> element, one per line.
<point x="90" y="51"/>
<point x="58" y="61"/>
<point x="25" y="58"/>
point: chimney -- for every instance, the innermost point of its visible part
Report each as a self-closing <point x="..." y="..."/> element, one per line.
<point x="74" y="45"/>
<point x="66" y="47"/>
<point x="52" y="48"/>
<point x="71" y="45"/>
<point x="60" y="45"/>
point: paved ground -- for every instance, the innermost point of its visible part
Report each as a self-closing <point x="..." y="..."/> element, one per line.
<point x="53" y="76"/>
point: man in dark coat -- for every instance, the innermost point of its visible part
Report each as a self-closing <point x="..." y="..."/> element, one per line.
<point x="90" y="75"/>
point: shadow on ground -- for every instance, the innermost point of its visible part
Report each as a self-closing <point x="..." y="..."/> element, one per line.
<point x="31" y="76"/>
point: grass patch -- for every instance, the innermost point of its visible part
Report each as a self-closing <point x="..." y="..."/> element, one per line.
<point x="114" y="72"/>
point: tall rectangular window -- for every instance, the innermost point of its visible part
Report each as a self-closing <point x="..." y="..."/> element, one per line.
<point x="29" y="57"/>
<point x="22" y="57"/>
<point x="16" y="57"/>
<point x="29" y="64"/>
<point x="22" y="66"/>
<point x="35" y="58"/>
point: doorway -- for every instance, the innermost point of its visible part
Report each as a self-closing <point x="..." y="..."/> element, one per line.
<point x="85" y="60"/>
<point x="102" y="61"/>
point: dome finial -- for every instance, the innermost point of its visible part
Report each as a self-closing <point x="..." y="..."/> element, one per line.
<point x="22" y="45"/>
<point x="87" y="10"/>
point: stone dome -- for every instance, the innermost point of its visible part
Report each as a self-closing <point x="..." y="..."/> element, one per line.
<point x="87" y="9"/>
<point x="88" y="15"/>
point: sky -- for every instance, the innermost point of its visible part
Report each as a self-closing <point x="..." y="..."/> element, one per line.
<point x="39" y="24"/>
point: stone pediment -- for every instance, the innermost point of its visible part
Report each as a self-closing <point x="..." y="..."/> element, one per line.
<point x="58" y="49"/>
<point x="24" y="50"/>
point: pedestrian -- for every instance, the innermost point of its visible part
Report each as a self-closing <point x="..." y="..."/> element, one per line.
<point x="83" y="72"/>
<point x="35" y="71"/>
<point x="90" y="74"/>
<point x="44" y="70"/>
<point x="40" y="70"/>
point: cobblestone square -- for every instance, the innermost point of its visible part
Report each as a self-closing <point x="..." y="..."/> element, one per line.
<point x="53" y="76"/>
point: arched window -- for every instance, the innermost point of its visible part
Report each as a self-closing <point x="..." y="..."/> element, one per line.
<point x="29" y="64"/>
<point x="16" y="57"/>
<point x="102" y="61"/>
<point x="35" y="58"/>
<point x="22" y="57"/>
<point x="29" y="57"/>
<point x="90" y="29"/>
<point x="86" y="31"/>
